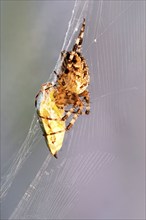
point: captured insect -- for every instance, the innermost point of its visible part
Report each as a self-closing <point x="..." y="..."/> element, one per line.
<point x="68" y="98"/>
<point x="50" y="118"/>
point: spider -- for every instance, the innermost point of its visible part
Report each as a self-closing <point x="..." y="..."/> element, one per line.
<point x="74" y="73"/>
<point x="70" y="91"/>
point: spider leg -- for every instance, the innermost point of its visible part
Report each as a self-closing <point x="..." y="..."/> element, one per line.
<point x="79" y="40"/>
<point x="77" y="103"/>
<point x="76" y="48"/>
<point x="86" y="97"/>
<point x="74" y="112"/>
<point x="66" y="116"/>
<point x="75" y="117"/>
<point x="69" y="112"/>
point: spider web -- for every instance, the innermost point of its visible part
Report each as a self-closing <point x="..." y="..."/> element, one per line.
<point x="95" y="142"/>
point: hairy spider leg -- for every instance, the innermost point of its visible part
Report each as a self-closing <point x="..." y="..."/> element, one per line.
<point x="77" y="46"/>
<point x="76" y="103"/>
<point x="78" y="43"/>
<point x="86" y="97"/>
<point x="73" y="120"/>
<point x="75" y="117"/>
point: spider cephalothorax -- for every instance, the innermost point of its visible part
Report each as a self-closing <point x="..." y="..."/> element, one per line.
<point x="67" y="99"/>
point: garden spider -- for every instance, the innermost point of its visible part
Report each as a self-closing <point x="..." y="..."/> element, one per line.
<point x="73" y="77"/>
<point x="69" y="91"/>
<point x="74" y="73"/>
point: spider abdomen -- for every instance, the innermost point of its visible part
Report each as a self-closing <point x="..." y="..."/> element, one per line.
<point x="74" y="74"/>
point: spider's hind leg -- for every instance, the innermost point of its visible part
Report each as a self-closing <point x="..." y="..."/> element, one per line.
<point x="67" y="115"/>
<point x="73" y="120"/>
<point x="86" y="97"/>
